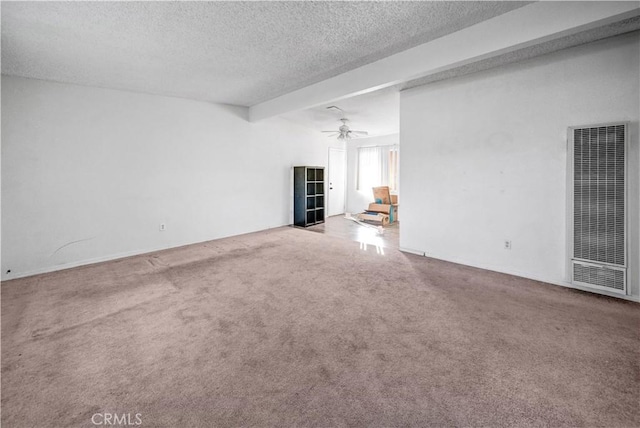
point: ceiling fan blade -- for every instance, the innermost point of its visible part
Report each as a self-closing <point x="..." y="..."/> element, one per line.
<point x="328" y="131"/>
<point x="360" y="132"/>
<point x="334" y="134"/>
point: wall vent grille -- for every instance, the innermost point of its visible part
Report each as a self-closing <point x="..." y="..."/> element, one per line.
<point x="599" y="208"/>
<point x="601" y="276"/>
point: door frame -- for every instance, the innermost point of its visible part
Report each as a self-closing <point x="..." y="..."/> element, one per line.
<point x="344" y="184"/>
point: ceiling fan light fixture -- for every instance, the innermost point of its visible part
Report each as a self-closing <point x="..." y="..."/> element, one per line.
<point x="344" y="132"/>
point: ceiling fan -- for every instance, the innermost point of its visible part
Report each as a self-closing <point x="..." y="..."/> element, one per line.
<point x="344" y="132"/>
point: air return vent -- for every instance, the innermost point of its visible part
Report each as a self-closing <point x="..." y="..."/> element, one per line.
<point x="607" y="277"/>
<point x="598" y="187"/>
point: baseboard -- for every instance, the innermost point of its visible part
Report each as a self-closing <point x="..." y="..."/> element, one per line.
<point x="85" y="262"/>
<point x="521" y="274"/>
<point x="118" y="256"/>
<point x="410" y="251"/>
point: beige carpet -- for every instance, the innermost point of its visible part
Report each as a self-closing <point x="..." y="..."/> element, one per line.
<point x="292" y="328"/>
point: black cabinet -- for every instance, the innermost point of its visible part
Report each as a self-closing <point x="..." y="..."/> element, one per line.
<point x="308" y="195"/>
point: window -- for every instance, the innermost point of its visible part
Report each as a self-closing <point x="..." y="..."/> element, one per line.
<point x="377" y="166"/>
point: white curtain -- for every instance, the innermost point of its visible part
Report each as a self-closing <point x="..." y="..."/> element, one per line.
<point x="369" y="168"/>
<point x="377" y="166"/>
<point x="393" y="159"/>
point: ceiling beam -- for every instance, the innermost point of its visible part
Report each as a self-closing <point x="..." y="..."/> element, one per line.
<point x="527" y="26"/>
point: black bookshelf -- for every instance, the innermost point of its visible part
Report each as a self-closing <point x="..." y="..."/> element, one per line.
<point x="308" y="195"/>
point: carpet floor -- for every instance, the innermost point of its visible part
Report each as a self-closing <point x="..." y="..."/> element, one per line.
<point x="292" y="328"/>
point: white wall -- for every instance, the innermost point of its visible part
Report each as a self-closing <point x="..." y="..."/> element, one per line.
<point x="358" y="201"/>
<point x="484" y="157"/>
<point x="89" y="174"/>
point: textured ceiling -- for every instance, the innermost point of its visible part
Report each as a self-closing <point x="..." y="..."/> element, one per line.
<point x="611" y="30"/>
<point x="377" y="112"/>
<point x="227" y="52"/>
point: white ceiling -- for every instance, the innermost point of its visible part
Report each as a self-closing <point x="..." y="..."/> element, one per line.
<point x="245" y="53"/>
<point x="226" y="52"/>
<point x="525" y="53"/>
<point x="377" y="112"/>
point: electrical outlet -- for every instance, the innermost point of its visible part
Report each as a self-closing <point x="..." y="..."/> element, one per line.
<point x="163" y="227"/>
<point x="507" y="245"/>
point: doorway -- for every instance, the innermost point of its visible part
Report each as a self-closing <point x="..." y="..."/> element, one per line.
<point x="337" y="181"/>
